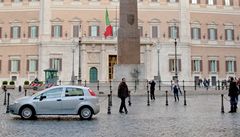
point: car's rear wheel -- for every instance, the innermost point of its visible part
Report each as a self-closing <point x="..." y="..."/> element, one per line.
<point x="27" y="113"/>
<point x="86" y="113"/>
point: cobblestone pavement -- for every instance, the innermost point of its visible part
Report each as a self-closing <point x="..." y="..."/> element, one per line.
<point x="201" y="117"/>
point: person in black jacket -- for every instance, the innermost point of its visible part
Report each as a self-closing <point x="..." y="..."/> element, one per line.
<point x="152" y="89"/>
<point x="233" y="94"/>
<point x="123" y="93"/>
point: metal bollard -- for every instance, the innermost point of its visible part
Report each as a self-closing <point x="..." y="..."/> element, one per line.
<point x="7" y="111"/>
<point x="171" y="85"/>
<point x="183" y="85"/>
<point x="60" y="82"/>
<point x="5" y="95"/>
<point x="195" y="85"/>
<point x="19" y="88"/>
<point x="148" y="101"/>
<point x="135" y="87"/>
<point x="110" y="98"/>
<point x="166" y="98"/>
<point x="109" y="108"/>
<point x="159" y="85"/>
<point x="110" y="85"/>
<point x="184" y="95"/>
<point x="85" y="83"/>
<point x="25" y="93"/>
<point x="222" y="108"/>
<point x="129" y="99"/>
<point x="98" y="85"/>
<point x="218" y="85"/>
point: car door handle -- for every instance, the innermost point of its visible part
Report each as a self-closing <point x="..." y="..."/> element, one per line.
<point x="81" y="98"/>
<point x="59" y="99"/>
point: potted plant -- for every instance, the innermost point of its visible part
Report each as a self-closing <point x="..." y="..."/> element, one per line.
<point x="11" y="85"/>
<point x="4" y="83"/>
<point x="26" y="85"/>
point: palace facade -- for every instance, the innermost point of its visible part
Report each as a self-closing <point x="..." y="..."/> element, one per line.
<point x="40" y="34"/>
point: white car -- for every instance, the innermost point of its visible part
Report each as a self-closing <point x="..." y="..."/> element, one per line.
<point x="58" y="100"/>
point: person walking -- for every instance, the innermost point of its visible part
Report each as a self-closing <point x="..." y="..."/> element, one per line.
<point x="176" y="89"/>
<point x="233" y="94"/>
<point x="123" y="93"/>
<point x="152" y="89"/>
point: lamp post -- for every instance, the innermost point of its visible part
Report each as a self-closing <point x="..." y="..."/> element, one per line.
<point x="175" y="43"/>
<point x="79" y="58"/>
<point x="158" y="51"/>
<point x="73" y="76"/>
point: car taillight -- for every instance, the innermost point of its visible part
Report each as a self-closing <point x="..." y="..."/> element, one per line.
<point x="91" y="92"/>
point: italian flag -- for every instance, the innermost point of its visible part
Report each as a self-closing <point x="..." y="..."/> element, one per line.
<point x="108" y="31"/>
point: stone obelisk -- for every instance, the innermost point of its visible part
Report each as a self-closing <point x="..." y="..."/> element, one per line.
<point x="128" y="43"/>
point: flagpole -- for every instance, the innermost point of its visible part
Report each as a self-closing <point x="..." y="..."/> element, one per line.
<point x="116" y="22"/>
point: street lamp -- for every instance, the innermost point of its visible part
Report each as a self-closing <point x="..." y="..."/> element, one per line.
<point x="79" y="65"/>
<point x="73" y="76"/>
<point x="158" y="51"/>
<point x="175" y="43"/>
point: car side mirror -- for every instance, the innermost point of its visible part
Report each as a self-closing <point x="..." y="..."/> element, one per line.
<point x="42" y="97"/>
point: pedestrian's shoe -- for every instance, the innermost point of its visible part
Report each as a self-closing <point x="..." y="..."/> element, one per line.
<point x="231" y="111"/>
<point x="126" y="112"/>
<point x="121" y="112"/>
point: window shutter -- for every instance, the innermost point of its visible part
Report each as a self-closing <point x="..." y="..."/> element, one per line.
<point x="36" y="65"/>
<point x="192" y="65"/>
<point x="98" y="31"/>
<point x="233" y="37"/>
<point x="11" y="35"/>
<point x="37" y="31"/>
<point x="19" y="32"/>
<point x="209" y="66"/>
<point x="199" y="33"/>
<point x="198" y="1"/>
<point x="201" y="66"/>
<point x="51" y="63"/>
<point x="52" y="31"/>
<point x="9" y="65"/>
<point x="177" y="32"/>
<point x="19" y="65"/>
<point x="29" y="31"/>
<point x="179" y="65"/>
<point x="216" y="34"/>
<point x="231" y="2"/>
<point x="89" y="31"/>
<point x="224" y="2"/>
<point x="225" y="34"/>
<point x="170" y="66"/>
<point x="217" y="65"/>
<point x="215" y="2"/>
<point x="226" y="65"/>
<point x="169" y="32"/>
<point x="28" y="65"/>
<point x="61" y="30"/>
<point x="192" y="33"/>
<point x="60" y="62"/>
<point x="235" y="66"/>
<point x="208" y="34"/>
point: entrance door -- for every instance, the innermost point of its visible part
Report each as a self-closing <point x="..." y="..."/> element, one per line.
<point x="112" y="59"/>
<point x="93" y="74"/>
<point x="214" y="81"/>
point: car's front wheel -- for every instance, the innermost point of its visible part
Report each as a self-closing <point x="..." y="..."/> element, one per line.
<point x="27" y="113"/>
<point x="86" y="113"/>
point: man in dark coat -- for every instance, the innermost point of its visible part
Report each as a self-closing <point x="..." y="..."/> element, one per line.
<point x="123" y="93"/>
<point x="233" y="94"/>
<point x="152" y="89"/>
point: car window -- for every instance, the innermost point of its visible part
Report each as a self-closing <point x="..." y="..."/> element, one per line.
<point x="73" y="92"/>
<point x="53" y="93"/>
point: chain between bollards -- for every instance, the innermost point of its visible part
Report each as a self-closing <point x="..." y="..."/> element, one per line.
<point x="222" y="108"/>
<point x="148" y="101"/>
<point x="166" y="98"/>
<point x="8" y="95"/>
<point x="109" y="108"/>
<point x="184" y="95"/>
<point x="5" y="95"/>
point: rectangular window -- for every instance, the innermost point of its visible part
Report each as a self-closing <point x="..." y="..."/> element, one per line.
<point x="16" y="1"/>
<point x="228" y="2"/>
<point x="94" y="31"/>
<point x="154" y="31"/>
<point x="172" y="65"/>
<point x="32" y="65"/>
<point x="196" y="33"/>
<point x="15" y="32"/>
<point x="14" y="65"/>
<point x="56" y="63"/>
<point x="229" y="34"/>
<point x="211" y="2"/>
<point x="173" y="32"/>
<point x="212" y="34"/>
<point x="231" y="66"/>
<point x="33" y="32"/>
<point x="213" y="66"/>
<point x="76" y="30"/>
<point x="197" y="65"/>
<point x="194" y="1"/>
<point x="172" y="1"/>
<point x="57" y="31"/>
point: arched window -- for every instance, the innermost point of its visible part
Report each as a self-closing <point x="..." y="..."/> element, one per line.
<point x="93" y="74"/>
